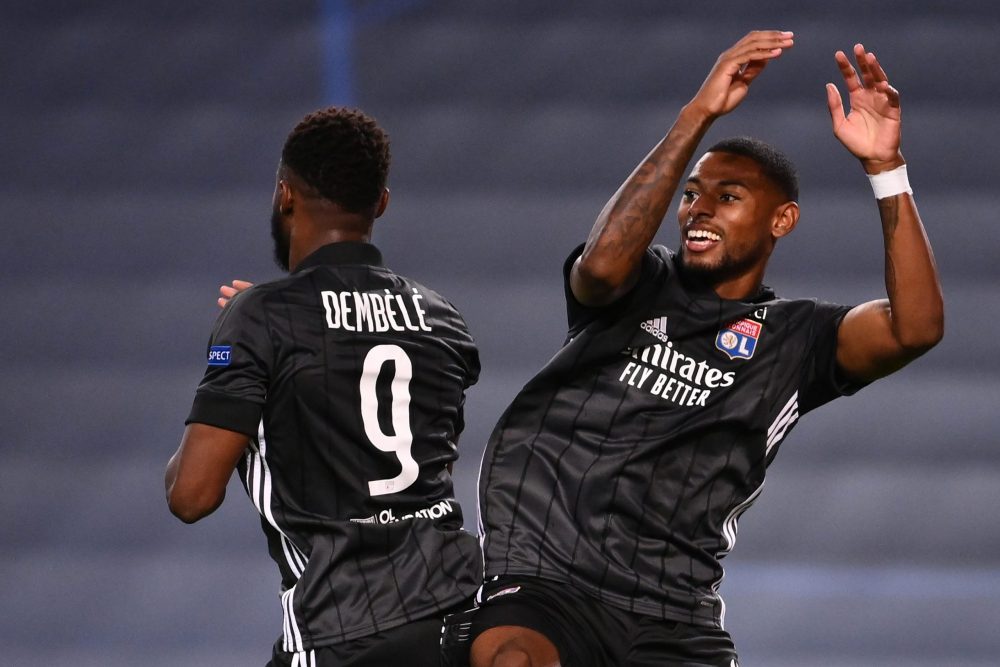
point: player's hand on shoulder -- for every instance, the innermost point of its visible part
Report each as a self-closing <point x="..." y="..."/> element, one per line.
<point x="729" y="81"/>
<point x="227" y="292"/>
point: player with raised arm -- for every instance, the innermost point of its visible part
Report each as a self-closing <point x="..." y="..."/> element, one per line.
<point x="337" y="392"/>
<point x="611" y="487"/>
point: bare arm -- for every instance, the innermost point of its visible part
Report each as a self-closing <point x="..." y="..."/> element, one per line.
<point x="198" y="472"/>
<point x="882" y="336"/>
<point x="610" y="263"/>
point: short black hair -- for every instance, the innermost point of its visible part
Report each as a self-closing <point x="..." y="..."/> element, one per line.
<point x="343" y="154"/>
<point x="775" y="164"/>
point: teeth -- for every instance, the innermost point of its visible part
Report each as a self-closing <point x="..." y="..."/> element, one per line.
<point x="703" y="234"/>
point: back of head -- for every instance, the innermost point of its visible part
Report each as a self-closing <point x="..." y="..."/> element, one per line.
<point x="342" y="154"/>
<point x="775" y="164"/>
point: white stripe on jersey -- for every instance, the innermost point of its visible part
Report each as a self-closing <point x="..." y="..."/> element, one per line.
<point x="304" y="659"/>
<point x="292" y="641"/>
<point x="788" y="416"/>
<point x="729" y="530"/>
<point x="259" y="488"/>
<point x="730" y="527"/>
<point x="480" y="526"/>
<point x="258" y="481"/>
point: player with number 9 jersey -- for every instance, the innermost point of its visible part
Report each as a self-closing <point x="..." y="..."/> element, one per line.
<point x="350" y="380"/>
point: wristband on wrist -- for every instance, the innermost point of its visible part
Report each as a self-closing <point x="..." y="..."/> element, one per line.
<point x="890" y="183"/>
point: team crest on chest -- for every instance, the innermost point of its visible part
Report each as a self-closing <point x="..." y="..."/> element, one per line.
<point x="738" y="339"/>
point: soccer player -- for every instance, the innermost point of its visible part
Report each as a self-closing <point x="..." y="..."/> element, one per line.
<point x="337" y="392"/>
<point x="611" y="486"/>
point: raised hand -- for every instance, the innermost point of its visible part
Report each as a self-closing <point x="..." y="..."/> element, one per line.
<point x="871" y="129"/>
<point x="228" y="292"/>
<point x="729" y="81"/>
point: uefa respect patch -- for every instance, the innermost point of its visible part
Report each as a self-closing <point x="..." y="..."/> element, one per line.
<point x="220" y="355"/>
<point x="738" y="339"/>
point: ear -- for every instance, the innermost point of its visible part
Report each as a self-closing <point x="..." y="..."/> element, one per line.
<point x="284" y="197"/>
<point x="785" y="218"/>
<point x="383" y="202"/>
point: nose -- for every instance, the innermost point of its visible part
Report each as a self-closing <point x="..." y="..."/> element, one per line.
<point x="701" y="207"/>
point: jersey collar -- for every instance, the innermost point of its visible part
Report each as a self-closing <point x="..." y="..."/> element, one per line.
<point x="345" y="252"/>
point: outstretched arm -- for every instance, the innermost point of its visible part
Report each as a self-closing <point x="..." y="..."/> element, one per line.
<point x="610" y="263"/>
<point x="879" y="337"/>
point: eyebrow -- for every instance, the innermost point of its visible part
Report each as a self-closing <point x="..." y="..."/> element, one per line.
<point x="728" y="182"/>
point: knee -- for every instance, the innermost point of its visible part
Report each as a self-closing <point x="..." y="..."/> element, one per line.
<point x="511" y="656"/>
<point x="511" y="646"/>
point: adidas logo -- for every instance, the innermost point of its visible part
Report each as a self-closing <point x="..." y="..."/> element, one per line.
<point x="656" y="327"/>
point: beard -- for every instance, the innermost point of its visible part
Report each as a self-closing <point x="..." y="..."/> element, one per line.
<point x="733" y="263"/>
<point x="282" y="242"/>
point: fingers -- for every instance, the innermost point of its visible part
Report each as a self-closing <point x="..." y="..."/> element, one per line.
<point x="864" y="66"/>
<point x="237" y="287"/>
<point x="750" y="71"/>
<point x="869" y="74"/>
<point x="228" y="292"/>
<point x="847" y="70"/>
<point x="836" y="105"/>
<point x="760" y="45"/>
<point x="881" y="81"/>
<point x="728" y="81"/>
<point x="891" y="94"/>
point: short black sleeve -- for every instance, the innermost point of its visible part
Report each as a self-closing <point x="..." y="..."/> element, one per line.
<point x="240" y="357"/>
<point x="579" y="316"/>
<point x="822" y="380"/>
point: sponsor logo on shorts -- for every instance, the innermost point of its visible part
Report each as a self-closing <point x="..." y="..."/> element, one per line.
<point x="220" y="355"/>
<point x="506" y="591"/>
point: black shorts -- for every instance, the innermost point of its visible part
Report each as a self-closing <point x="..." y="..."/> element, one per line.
<point x="415" y="644"/>
<point x="589" y="633"/>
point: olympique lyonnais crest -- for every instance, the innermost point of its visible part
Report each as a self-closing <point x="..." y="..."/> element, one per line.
<point x="738" y="339"/>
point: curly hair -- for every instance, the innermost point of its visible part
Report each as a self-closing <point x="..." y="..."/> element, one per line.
<point x="775" y="164"/>
<point x="341" y="153"/>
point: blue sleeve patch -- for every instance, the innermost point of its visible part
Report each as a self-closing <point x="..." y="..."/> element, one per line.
<point x="220" y="355"/>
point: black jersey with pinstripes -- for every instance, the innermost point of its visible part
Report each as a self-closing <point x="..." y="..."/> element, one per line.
<point x="624" y="464"/>
<point x="350" y="381"/>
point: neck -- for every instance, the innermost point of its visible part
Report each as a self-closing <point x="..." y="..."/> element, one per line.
<point x="308" y="238"/>
<point x="736" y="288"/>
<point x="739" y="289"/>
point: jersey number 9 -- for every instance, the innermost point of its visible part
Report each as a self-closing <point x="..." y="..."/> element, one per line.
<point x="401" y="443"/>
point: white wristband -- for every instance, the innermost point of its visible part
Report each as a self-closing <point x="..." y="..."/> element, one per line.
<point x="890" y="183"/>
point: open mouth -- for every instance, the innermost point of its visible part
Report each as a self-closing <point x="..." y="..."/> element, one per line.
<point x="700" y="240"/>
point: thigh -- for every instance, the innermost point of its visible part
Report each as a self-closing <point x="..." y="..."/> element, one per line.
<point x="417" y="644"/>
<point x="584" y="632"/>
<point x="659" y="643"/>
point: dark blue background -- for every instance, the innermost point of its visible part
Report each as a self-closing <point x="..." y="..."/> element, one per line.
<point x="139" y="142"/>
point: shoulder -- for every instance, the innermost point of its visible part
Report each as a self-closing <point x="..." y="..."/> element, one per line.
<point x="807" y="318"/>
<point x="251" y="306"/>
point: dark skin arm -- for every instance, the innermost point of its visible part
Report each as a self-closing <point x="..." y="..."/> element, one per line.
<point x="197" y="474"/>
<point x="882" y="336"/>
<point x="610" y="263"/>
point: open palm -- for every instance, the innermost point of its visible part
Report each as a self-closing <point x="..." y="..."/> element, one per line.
<point x="871" y="129"/>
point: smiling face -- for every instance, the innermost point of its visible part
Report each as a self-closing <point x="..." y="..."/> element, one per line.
<point x="730" y="216"/>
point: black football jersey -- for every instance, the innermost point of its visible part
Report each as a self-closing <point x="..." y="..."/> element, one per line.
<point x="350" y="382"/>
<point x="623" y="466"/>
